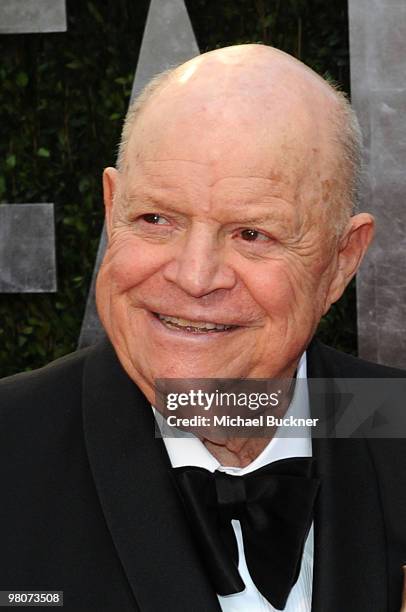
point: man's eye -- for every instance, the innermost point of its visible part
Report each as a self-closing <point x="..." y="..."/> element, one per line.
<point x="154" y="219"/>
<point x="252" y="235"/>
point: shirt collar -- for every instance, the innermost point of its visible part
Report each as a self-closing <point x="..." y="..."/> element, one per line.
<point x="190" y="450"/>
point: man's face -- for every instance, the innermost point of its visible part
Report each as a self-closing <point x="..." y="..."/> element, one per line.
<point x="220" y="257"/>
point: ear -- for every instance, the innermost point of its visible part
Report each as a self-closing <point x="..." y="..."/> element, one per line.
<point x="110" y="185"/>
<point x="353" y="245"/>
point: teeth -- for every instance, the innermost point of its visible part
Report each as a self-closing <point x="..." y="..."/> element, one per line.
<point x="193" y="325"/>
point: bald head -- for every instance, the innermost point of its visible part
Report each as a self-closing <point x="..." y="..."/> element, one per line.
<point x="250" y="97"/>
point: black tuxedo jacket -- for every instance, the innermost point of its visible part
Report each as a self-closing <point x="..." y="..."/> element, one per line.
<point x="87" y="503"/>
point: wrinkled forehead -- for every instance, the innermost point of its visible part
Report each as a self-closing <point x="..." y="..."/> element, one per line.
<point x="229" y="121"/>
<point x="230" y="131"/>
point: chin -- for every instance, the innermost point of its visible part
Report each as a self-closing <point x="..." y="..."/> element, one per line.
<point x="183" y="371"/>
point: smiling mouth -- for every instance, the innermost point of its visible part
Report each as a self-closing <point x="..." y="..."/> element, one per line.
<point x="193" y="327"/>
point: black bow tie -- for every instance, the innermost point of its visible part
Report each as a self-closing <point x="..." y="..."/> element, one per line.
<point x="274" y="506"/>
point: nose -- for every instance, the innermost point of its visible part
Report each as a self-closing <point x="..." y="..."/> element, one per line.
<point x="198" y="265"/>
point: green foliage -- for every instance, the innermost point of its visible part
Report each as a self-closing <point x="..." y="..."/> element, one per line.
<point x="63" y="97"/>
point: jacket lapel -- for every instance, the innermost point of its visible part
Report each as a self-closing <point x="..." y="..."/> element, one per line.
<point x="131" y="471"/>
<point x="350" y="567"/>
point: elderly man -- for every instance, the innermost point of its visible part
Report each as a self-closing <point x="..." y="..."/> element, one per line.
<point x="230" y="234"/>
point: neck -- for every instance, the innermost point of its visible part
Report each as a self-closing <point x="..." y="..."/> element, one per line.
<point x="236" y="452"/>
<point x="240" y="452"/>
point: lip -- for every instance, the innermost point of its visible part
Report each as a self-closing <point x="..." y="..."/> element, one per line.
<point x="180" y="333"/>
<point x="195" y="320"/>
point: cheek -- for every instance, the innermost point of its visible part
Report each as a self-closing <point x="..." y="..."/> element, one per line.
<point x="280" y="287"/>
<point x="129" y="262"/>
<point x="270" y="285"/>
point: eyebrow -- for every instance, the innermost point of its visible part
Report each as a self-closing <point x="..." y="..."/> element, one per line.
<point x="144" y="197"/>
<point x="263" y="219"/>
<point x="152" y="201"/>
<point x="147" y="198"/>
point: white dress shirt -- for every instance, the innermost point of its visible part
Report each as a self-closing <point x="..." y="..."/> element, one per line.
<point x="191" y="451"/>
